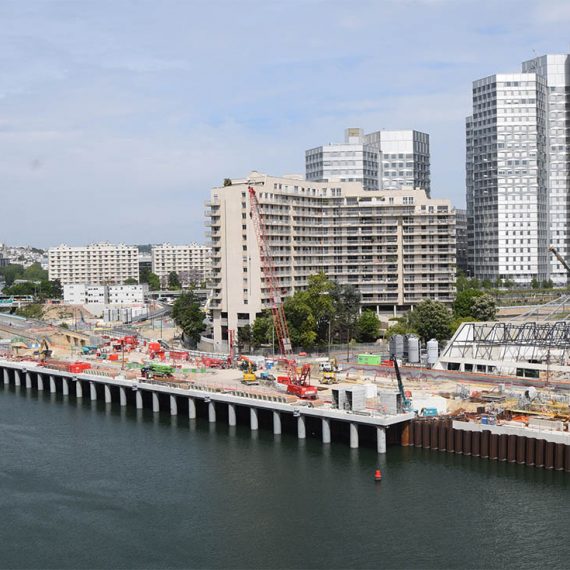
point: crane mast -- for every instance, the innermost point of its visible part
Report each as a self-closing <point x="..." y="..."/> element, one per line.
<point x="269" y="273"/>
<point x="562" y="261"/>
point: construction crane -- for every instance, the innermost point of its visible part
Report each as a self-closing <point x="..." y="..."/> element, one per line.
<point x="231" y="341"/>
<point x="562" y="261"/>
<point x="406" y="402"/>
<point x="269" y="273"/>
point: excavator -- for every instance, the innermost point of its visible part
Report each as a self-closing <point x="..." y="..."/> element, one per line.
<point x="45" y="351"/>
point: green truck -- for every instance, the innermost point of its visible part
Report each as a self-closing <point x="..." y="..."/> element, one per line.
<point x="155" y="370"/>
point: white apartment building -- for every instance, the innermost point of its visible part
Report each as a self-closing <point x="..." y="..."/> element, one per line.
<point x="95" y="264"/>
<point x="192" y="263"/>
<point x="81" y="294"/>
<point x="397" y="247"/>
<point x="555" y="69"/>
<point x="383" y="160"/>
<point x="517" y="167"/>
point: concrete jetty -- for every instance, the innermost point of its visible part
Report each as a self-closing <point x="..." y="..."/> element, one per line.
<point x="165" y="397"/>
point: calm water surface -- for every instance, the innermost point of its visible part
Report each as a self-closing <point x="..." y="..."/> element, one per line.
<point x="92" y="486"/>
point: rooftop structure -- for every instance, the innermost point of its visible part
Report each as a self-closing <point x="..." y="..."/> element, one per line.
<point x="382" y="160"/>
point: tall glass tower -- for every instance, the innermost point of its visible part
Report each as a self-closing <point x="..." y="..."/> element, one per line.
<point x="556" y="71"/>
<point x="517" y="172"/>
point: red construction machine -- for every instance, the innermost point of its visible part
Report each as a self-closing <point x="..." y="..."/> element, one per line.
<point x="299" y="383"/>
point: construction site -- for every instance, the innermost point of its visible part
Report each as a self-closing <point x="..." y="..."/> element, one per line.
<point x="497" y="390"/>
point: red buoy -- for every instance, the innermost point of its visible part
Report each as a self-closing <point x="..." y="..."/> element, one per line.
<point x="378" y="475"/>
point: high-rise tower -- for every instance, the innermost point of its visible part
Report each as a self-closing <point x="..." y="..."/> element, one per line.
<point x="517" y="182"/>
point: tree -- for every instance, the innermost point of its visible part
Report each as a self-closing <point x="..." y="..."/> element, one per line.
<point x="484" y="308"/>
<point x="456" y="323"/>
<point x="50" y="290"/>
<point x="401" y="326"/>
<point x="301" y="321"/>
<point x="547" y="284"/>
<point x="174" y="281"/>
<point x="367" y="327"/>
<point x="262" y="330"/>
<point x="188" y="315"/>
<point x="535" y="283"/>
<point x="131" y="281"/>
<point x="40" y="290"/>
<point x="463" y="304"/>
<point x="35" y="272"/>
<point x="244" y="338"/>
<point x="33" y="311"/>
<point x="431" y="319"/>
<point x="463" y="282"/>
<point x="153" y="282"/>
<point x="487" y="284"/>
<point x="346" y="299"/>
<point x="144" y="274"/>
<point x="11" y="273"/>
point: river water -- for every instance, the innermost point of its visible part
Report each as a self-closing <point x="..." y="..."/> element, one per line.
<point x="85" y="485"/>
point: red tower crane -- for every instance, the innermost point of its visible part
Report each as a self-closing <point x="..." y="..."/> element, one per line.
<point x="269" y="273"/>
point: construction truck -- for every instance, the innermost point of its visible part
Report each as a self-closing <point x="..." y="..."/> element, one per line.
<point x="155" y="370"/>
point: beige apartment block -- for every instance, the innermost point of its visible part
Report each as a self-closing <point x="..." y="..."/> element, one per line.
<point x="191" y="262"/>
<point x="95" y="264"/>
<point x="396" y="246"/>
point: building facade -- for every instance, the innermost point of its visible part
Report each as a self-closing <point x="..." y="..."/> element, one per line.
<point x="517" y="172"/>
<point x="95" y="264"/>
<point x="383" y="160"/>
<point x="461" y="241"/>
<point x="397" y="247"/>
<point x="81" y="294"/>
<point x="555" y="69"/>
<point x="190" y="262"/>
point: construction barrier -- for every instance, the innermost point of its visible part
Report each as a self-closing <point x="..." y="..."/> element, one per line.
<point x="439" y="434"/>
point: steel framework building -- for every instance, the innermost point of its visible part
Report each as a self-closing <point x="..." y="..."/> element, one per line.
<point x="529" y="349"/>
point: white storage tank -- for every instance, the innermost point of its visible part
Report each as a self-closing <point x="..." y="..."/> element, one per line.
<point x="413" y="349"/>
<point x="432" y="351"/>
<point x="397" y="346"/>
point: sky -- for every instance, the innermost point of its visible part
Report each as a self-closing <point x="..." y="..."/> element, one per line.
<point x="118" y="117"/>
